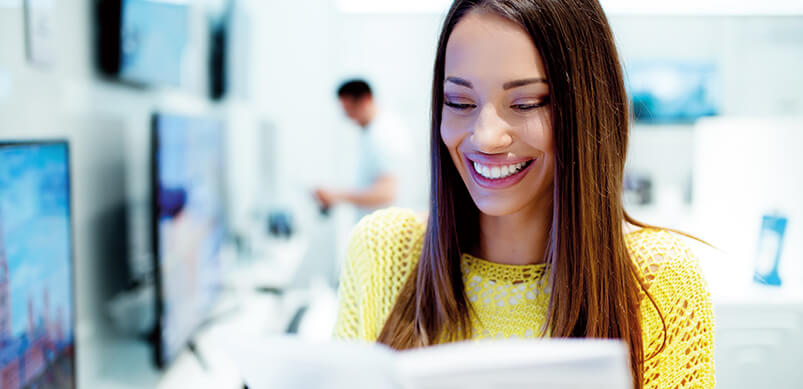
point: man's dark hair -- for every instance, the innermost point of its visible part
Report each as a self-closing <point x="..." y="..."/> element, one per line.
<point x="355" y="89"/>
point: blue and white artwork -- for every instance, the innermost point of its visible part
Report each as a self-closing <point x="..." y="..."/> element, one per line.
<point x="36" y="284"/>
<point x="672" y="92"/>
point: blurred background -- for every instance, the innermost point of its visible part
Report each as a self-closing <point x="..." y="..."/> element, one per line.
<point x="220" y="118"/>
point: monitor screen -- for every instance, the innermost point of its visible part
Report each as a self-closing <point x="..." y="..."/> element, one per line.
<point x="37" y="344"/>
<point x="189" y="226"/>
<point x="672" y="92"/>
<point x="153" y="41"/>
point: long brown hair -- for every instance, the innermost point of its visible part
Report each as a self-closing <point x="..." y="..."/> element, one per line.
<point x="594" y="282"/>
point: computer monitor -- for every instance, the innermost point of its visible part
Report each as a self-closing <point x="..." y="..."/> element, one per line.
<point x="189" y="226"/>
<point x="37" y="343"/>
<point x="143" y="41"/>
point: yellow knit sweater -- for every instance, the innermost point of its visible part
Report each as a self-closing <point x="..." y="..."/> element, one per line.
<point x="511" y="301"/>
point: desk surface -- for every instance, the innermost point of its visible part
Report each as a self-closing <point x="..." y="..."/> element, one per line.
<point x="120" y="363"/>
<point x="117" y="362"/>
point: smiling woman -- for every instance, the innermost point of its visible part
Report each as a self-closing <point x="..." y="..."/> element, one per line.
<point x="526" y="231"/>
<point x="495" y="117"/>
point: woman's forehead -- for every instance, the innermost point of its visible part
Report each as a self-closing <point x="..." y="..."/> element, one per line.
<point x="487" y="47"/>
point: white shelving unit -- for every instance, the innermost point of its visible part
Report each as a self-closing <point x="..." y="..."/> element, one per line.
<point x="759" y="339"/>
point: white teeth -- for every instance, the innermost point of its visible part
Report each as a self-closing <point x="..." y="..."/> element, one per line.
<point x="495" y="172"/>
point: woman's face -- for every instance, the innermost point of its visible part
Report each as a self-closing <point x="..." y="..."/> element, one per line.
<point x="496" y="115"/>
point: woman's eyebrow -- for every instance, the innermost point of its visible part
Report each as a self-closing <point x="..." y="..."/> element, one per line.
<point x="505" y="86"/>
<point x="522" y="82"/>
<point x="460" y="81"/>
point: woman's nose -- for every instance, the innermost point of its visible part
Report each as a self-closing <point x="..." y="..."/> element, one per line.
<point x="491" y="132"/>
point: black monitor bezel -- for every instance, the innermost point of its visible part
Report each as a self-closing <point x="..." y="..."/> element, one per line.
<point x="156" y="338"/>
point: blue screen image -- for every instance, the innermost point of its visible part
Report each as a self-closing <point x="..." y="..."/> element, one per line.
<point x="673" y="92"/>
<point x="191" y="227"/>
<point x="153" y="41"/>
<point x="36" y="285"/>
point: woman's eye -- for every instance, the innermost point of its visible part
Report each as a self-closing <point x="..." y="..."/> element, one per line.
<point x="458" y="106"/>
<point x="527" y="107"/>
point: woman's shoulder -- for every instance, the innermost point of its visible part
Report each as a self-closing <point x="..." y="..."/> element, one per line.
<point x="658" y="252"/>
<point x="388" y="238"/>
<point x="383" y="251"/>
<point x="672" y="277"/>
<point x="390" y="227"/>
<point x="677" y="319"/>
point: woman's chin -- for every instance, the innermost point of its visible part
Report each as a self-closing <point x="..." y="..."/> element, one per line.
<point x="497" y="206"/>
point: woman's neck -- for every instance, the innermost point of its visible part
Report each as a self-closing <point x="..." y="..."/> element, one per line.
<point x="516" y="239"/>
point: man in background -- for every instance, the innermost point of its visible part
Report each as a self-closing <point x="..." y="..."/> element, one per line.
<point x="383" y="147"/>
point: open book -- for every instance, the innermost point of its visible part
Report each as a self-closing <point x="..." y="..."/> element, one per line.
<point x="288" y="362"/>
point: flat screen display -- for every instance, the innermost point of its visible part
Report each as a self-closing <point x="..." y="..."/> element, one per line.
<point x="153" y="41"/>
<point x="673" y="92"/>
<point x="189" y="225"/>
<point x="37" y="343"/>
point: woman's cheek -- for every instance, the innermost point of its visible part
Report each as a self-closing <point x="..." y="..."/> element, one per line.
<point x="451" y="133"/>
<point x="538" y="133"/>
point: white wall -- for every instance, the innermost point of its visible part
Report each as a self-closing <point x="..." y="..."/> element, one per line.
<point x="758" y="57"/>
<point x="748" y="168"/>
<point x="758" y="60"/>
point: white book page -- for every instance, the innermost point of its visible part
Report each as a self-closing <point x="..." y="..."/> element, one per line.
<point x="286" y="362"/>
<point x="576" y="363"/>
<point x="289" y="362"/>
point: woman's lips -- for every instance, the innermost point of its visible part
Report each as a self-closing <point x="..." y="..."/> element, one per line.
<point x="497" y="173"/>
